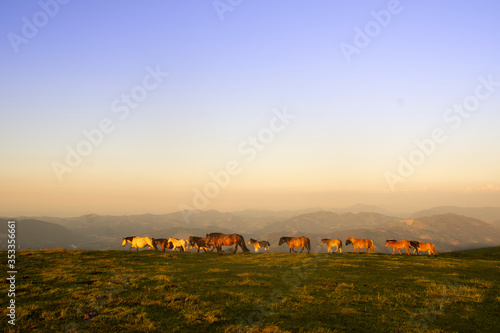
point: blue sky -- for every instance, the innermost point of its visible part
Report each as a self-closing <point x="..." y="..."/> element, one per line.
<point x="353" y="119"/>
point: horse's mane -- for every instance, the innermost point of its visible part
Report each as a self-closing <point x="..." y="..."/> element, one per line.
<point x="391" y="240"/>
<point x="129" y="238"/>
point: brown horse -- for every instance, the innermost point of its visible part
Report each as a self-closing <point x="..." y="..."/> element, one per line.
<point x="163" y="242"/>
<point x="259" y="244"/>
<point x="396" y="245"/>
<point x="296" y="242"/>
<point x="332" y="242"/>
<point x="218" y="239"/>
<point x="360" y="243"/>
<point x="199" y="243"/>
<point x="419" y="246"/>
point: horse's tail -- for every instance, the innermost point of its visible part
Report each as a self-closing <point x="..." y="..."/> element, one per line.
<point x="434" y="250"/>
<point x="340" y="244"/>
<point x="308" y="245"/>
<point x="373" y="247"/>
<point x="243" y="246"/>
<point x="268" y="244"/>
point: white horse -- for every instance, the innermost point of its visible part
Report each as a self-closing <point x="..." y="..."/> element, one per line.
<point x="178" y="243"/>
<point x="139" y="242"/>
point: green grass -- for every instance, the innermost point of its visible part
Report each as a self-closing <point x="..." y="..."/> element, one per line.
<point x="148" y="291"/>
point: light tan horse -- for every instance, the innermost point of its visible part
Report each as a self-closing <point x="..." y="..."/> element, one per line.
<point x="360" y="243"/>
<point x="419" y="246"/>
<point x="139" y="242"/>
<point x="178" y="243"/>
<point x="396" y="245"/>
<point x="332" y="242"/>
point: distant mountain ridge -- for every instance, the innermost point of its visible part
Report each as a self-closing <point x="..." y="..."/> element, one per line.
<point x="487" y="214"/>
<point x="448" y="231"/>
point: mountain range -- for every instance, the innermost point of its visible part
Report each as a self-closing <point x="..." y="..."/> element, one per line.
<point x="447" y="227"/>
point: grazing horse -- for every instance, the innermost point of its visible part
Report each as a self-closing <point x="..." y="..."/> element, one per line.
<point x="139" y="242"/>
<point x="199" y="243"/>
<point x="259" y="244"/>
<point x="360" y="243"/>
<point x="396" y="245"/>
<point x="218" y="239"/>
<point x="178" y="243"/>
<point x="296" y="242"/>
<point x="332" y="242"/>
<point x="419" y="246"/>
<point x="163" y="242"/>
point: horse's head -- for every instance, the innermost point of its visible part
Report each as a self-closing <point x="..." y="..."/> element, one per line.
<point x="282" y="240"/>
<point x="323" y="241"/>
<point x="124" y="241"/>
<point x="387" y="243"/>
<point x="348" y="241"/>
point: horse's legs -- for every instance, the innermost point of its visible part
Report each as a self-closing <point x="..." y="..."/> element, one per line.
<point x="399" y="251"/>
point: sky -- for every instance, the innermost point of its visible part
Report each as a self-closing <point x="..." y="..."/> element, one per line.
<point x="151" y="107"/>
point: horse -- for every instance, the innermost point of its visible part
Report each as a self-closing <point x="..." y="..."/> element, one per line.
<point x="296" y="242"/>
<point x="199" y="243"/>
<point x="419" y="246"/>
<point x="218" y="239"/>
<point x="360" y="243"/>
<point x="163" y="242"/>
<point x="332" y="242"/>
<point x="396" y="245"/>
<point x="178" y="243"/>
<point x="139" y="242"/>
<point x="259" y="244"/>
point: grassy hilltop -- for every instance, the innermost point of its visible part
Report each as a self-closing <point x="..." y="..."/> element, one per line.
<point x="149" y="291"/>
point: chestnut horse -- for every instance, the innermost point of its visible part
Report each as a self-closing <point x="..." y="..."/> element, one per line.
<point x="296" y="242"/>
<point x="218" y="239"/>
<point x="360" y="243"/>
<point x="396" y="245"/>
<point x="331" y="243"/>
<point x="419" y="246"/>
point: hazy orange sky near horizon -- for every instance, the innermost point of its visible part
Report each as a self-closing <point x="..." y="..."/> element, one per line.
<point x="175" y="105"/>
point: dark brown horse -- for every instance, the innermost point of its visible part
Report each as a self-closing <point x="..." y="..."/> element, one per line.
<point x="218" y="239"/>
<point x="163" y="242"/>
<point x="199" y="243"/>
<point x="296" y="242"/>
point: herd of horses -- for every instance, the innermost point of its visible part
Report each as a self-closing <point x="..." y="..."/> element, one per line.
<point x="216" y="240"/>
